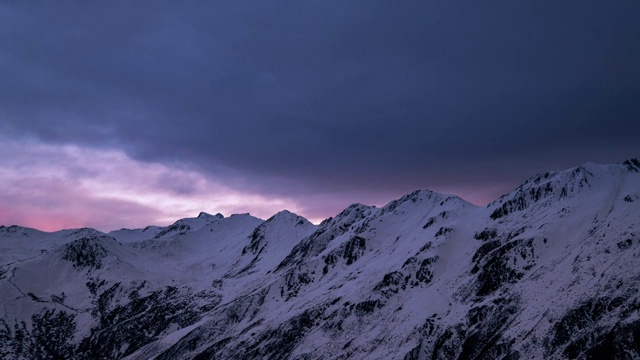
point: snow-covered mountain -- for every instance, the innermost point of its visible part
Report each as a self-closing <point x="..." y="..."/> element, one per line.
<point x="551" y="270"/>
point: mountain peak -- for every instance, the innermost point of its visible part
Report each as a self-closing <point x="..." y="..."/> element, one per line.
<point x="285" y="214"/>
<point x="550" y="187"/>
<point x="424" y="196"/>
<point x="204" y="215"/>
<point x="355" y="207"/>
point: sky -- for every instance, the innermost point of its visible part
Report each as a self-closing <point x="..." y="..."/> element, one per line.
<point x="129" y="113"/>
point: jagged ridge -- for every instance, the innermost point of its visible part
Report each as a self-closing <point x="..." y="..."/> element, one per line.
<point x="547" y="271"/>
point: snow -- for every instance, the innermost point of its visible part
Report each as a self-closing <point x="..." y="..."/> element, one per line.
<point x="578" y="236"/>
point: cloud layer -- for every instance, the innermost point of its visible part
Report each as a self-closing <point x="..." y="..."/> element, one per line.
<point x="54" y="187"/>
<point x="328" y="102"/>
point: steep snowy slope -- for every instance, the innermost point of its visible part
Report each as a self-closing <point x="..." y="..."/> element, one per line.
<point x="547" y="271"/>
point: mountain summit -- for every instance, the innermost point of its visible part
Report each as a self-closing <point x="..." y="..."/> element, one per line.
<point x="550" y="270"/>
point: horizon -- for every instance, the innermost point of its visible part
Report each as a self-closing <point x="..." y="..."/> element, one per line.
<point x="123" y="114"/>
<point x="316" y="222"/>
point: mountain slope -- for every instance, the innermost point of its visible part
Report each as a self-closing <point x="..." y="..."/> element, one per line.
<point x="547" y="271"/>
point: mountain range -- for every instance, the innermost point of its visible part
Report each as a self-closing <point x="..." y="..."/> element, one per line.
<point x="548" y="271"/>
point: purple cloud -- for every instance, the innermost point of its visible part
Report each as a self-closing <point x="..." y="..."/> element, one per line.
<point x="52" y="187"/>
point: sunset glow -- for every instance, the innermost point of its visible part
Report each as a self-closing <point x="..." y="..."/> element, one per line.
<point x="54" y="187"/>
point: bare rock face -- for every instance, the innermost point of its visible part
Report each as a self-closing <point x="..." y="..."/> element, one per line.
<point x="547" y="271"/>
<point x="86" y="252"/>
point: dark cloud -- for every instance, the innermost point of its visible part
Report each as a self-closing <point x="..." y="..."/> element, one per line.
<point x="357" y="97"/>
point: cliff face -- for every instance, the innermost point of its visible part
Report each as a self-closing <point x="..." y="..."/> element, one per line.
<point x="547" y="271"/>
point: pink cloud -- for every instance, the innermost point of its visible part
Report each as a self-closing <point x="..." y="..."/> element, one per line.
<point x="54" y="187"/>
<point x="51" y="204"/>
